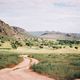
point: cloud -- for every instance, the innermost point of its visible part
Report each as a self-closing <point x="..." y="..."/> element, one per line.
<point x="67" y="3"/>
<point x="58" y="15"/>
<point x="60" y="4"/>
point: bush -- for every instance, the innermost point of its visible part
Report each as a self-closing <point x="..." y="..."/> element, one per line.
<point x="14" y="46"/>
<point x="29" y="43"/>
<point x="41" y="46"/>
<point x="18" y="43"/>
<point x="76" y="75"/>
<point x="0" y="45"/>
<point x="2" y="41"/>
<point x="56" y="47"/>
<point x="71" y="46"/>
<point x="76" y="47"/>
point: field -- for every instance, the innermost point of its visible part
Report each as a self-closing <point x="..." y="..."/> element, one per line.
<point x="58" y="66"/>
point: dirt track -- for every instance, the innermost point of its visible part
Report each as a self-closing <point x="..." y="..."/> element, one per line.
<point x="22" y="72"/>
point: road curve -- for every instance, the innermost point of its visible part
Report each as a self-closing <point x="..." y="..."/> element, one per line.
<point x="22" y="72"/>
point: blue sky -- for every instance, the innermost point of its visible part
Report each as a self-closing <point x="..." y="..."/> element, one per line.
<point x="42" y="15"/>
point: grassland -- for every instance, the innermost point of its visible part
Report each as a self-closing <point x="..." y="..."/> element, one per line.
<point x="8" y="60"/>
<point x="58" y="66"/>
<point x="37" y="45"/>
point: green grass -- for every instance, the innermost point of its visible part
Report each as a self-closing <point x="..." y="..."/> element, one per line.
<point x="9" y="60"/>
<point x="58" y="66"/>
<point x="6" y="48"/>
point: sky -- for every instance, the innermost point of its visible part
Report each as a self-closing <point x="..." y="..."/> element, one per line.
<point x="42" y="15"/>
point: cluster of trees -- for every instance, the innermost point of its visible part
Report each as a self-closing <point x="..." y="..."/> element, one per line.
<point x="41" y="43"/>
<point x="68" y="42"/>
<point x="16" y="44"/>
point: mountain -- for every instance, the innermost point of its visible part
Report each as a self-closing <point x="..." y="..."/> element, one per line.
<point x="12" y="31"/>
<point x="60" y="35"/>
<point x="21" y="33"/>
<point x="37" y="33"/>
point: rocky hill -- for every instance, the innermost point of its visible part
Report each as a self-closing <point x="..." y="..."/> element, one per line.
<point x="12" y="31"/>
<point x="61" y="36"/>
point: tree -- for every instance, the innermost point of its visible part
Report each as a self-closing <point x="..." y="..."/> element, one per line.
<point x="14" y="46"/>
<point x="29" y="43"/>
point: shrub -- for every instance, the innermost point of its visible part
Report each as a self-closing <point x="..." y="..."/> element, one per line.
<point x="14" y="46"/>
<point x="76" y="47"/>
<point x="29" y="43"/>
<point x="2" y="41"/>
<point x="71" y="46"/>
<point x="76" y="75"/>
<point x="0" y="45"/>
<point x="40" y="46"/>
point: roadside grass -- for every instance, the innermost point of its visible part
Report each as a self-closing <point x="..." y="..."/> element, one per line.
<point x="9" y="60"/>
<point x="58" y="66"/>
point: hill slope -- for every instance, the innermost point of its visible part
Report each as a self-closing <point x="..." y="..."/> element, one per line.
<point x="37" y="33"/>
<point x="12" y="31"/>
<point x="62" y="36"/>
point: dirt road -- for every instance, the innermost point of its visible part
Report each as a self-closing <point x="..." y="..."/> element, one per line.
<point x="22" y="72"/>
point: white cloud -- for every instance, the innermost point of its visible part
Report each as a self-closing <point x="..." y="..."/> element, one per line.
<point x="61" y="15"/>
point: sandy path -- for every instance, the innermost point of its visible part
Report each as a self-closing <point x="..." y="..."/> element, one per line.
<point x="22" y="72"/>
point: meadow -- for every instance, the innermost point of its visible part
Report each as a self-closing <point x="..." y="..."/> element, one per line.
<point x="58" y="66"/>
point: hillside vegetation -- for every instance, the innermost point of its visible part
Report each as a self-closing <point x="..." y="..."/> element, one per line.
<point x="37" y="43"/>
<point x="15" y="37"/>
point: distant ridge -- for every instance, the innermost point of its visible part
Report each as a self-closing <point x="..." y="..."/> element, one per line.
<point x="56" y="35"/>
<point x="12" y="31"/>
<point x="37" y="33"/>
<point x="60" y="35"/>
